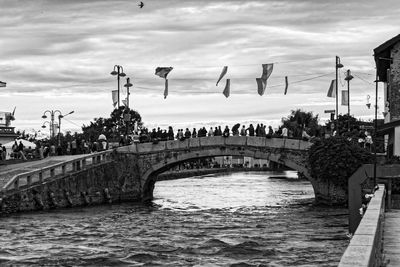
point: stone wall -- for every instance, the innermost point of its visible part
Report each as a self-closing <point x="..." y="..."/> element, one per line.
<point x="110" y="182"/>
<point x="394" y="81"/>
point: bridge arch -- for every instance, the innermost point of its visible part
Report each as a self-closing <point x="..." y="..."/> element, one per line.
<point x="157" y="158"/>
<point x="150" y="176"/>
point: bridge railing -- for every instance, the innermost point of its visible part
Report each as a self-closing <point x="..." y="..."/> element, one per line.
<point x="42" y="175"/>
<point x="249" y="141"/>
<point x="365" y="248"/>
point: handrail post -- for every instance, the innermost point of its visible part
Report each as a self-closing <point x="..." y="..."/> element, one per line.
<point x="52" y="172"/>
<point x="40" y="177"/>
<point x="28" y="180"/>
<point x="83" y="163"/>
<point x="63" y="168"/>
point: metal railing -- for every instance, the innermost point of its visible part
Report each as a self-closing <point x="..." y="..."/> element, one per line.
<point x="42" y="175"/>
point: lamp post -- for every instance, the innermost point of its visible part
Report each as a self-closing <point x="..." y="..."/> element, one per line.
<point x="59" y="125"/>
<point x="348" y="78"/>
<point x="51" y="122"/>
<point x="119" y="71"/>
<point x="338" y="66"/>
<point x="44" y="125"/>
<point x="127" y="85"/>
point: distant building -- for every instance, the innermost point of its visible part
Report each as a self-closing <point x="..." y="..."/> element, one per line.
<point x="7" y="133"/>
<point x="387" y="60"/>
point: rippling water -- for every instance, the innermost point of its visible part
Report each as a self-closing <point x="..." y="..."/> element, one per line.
<point x="239" y="219"/>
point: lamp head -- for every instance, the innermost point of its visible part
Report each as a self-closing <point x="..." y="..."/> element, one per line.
<point x="44" y="116"/>
<point x="122" y="74"/>
<point x="339" y="65"/>
<point x="349" y="77"/>
<point x="128" y="84"/>
<point x="43" y="126"/>
<point x="114" y="72"/>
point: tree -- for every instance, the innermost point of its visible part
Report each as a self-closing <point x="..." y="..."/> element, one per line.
<point x="299" y="120"/>
<point x="114" y="126"/>
<point x="336" y="159"/>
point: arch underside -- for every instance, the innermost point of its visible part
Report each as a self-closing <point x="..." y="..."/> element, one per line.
<point x="291" y="159"/>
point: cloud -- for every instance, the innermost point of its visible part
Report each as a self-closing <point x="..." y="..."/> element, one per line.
<point x="68" y="48"/>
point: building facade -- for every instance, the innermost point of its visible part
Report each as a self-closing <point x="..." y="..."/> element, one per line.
<point x="387" y="60"/>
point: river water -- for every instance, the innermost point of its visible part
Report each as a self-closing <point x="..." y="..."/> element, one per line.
<point x="236" y="219"/>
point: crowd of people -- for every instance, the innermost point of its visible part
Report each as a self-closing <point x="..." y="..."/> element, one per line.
<point x="78" y="145"/>
<point x="260" y="130"/>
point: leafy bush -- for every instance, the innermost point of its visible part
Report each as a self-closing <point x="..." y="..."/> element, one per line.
<point x="336" y="159"/>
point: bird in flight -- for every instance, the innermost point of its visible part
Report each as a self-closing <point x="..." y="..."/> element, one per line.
<point x="141" y="5"/>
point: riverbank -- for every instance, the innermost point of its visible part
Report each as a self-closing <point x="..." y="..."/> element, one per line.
<point x="172" y="175"/>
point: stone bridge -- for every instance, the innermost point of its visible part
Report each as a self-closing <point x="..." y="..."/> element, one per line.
<point x="153" y="159"/>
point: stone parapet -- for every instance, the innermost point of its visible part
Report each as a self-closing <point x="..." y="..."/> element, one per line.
<point x="365" y="248"/>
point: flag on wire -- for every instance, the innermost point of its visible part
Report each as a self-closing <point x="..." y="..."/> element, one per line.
<point x="224" y="71"/>
<point x="227" y="89"/>
<point x="286" y="84"/>
<point x="267" y="70"/>
<point x="261" y="85"/>
<point x="3" y="84"/>
<point x="163" y="71"/>
<point x="166" y="89"/>
<point x="114" y="94"/>
<point x="345" y="98"/>
<point x="332" y="89"/>
<point x="125" y="102"/>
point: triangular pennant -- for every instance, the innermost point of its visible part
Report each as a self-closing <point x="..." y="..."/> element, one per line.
<point x="227" y="89"/>
<point x="224" y="71"/>
<point x="332" y="89"/>
<point x="163" y="71"/>
<point x="3" y="84"/>
<point x="125" y="102"/>
<point x="267" y="70"/>
<point x="261" y="85"/>
<point x="166" y="89"/>
<point x="114" y="94"/>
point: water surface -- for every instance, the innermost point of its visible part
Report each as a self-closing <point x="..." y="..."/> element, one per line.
<point x="237" y="219"/>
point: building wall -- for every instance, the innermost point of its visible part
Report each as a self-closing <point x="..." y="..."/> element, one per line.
<point x="396" y="147"/>
<point x="394" y="84"/>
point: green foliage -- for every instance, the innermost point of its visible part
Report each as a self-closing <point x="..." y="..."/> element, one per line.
<point x="336" y="159"/>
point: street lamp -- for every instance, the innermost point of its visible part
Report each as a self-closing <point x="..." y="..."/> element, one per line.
<point x="338" y="66"/>
<point x="119" y="71"/>
<point x="51" y="123"/>
<point x="348" y="78"/>
<point x="52" y="114"/>
<point x="44" y="125"/>
<point x="127" y="85"/>
<point x="59" y="125"/>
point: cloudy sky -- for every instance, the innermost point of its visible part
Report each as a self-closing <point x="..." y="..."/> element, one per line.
<point x="58" y="55"/>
